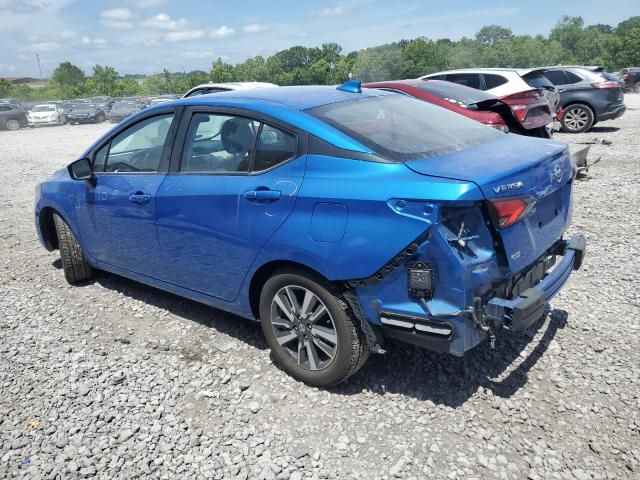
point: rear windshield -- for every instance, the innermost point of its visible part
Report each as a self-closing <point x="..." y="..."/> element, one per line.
<point x="402" y="128"/>
<point x="455" y="93"/>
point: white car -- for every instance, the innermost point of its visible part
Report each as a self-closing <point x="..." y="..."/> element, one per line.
<point x="502" y="82"/>
<point x="46" y="114"/>
<point x="206" y="88"/>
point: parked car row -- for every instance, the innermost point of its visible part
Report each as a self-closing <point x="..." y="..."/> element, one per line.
<point x="578" y="96"/>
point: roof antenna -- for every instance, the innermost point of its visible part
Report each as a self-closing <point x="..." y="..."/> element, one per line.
<point x="351" y="86"/>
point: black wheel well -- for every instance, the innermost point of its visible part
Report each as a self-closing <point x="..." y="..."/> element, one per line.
<point x="48" y="227"/>
<point x="264" y="273"/>
<point x="587" y="104"/>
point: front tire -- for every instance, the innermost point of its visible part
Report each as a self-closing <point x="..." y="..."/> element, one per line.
<point x="76" y="268"/>
<point x="12" y="124"/>
<point x="310" y="329"/>
<point x="577" y="118"/>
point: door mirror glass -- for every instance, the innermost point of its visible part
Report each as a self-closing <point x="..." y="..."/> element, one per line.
<point x="81" y="169"/>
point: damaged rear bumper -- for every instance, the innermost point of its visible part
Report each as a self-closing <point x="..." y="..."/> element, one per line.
<point x="520" y="313"/>
<point x="460" y="331"/>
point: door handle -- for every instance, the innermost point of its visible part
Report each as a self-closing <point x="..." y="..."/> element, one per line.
<point x="140" y="198"/>
<point x="262" y="195"/>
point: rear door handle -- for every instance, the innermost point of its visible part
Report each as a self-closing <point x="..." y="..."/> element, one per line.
<point x="140" y="198"/>
<point x="262" y="195"/>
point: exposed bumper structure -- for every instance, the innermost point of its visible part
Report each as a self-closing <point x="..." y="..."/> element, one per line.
<point x="443" y="332"/>
<point x="519" y="313"/>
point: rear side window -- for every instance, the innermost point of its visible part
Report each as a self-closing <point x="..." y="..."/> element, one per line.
<point x="572" y="77"/>
<point x="556" y="77"/>
<point x="468" y="79"/>
<point x="492" y="81"/>
<point x="538" y="80"/>
<point x="4" y="108"/>
<point x="274" y="147"/>
<point x="402" y="128"/>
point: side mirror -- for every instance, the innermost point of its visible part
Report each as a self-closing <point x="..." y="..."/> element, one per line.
<point x="81" y="170"/>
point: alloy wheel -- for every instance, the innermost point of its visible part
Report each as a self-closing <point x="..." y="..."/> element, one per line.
<point x="304" y="327"/>
<point x="13" y="124"/>
<point x="576" y="118"/>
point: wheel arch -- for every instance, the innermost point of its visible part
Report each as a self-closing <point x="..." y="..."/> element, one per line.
<point x="264" y="272"/>
<point x="47" y="227"/>
<point x="575" y="101"/>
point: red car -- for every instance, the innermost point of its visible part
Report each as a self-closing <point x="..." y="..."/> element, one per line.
<point x="509" y="114"/>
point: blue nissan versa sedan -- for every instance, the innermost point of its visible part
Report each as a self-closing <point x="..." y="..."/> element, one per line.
<point x="338" y="217"/>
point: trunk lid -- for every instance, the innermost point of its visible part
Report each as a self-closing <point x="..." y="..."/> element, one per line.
<point x="510" y="166"/>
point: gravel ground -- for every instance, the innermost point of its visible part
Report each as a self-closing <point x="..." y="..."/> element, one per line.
<point x="118" y="380"/>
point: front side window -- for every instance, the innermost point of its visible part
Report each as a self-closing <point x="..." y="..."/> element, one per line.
<point x="402" y="128"/>
<point x="139" y="148"/>
<point x="468" y="79"/>
<point x="218" y="144"/>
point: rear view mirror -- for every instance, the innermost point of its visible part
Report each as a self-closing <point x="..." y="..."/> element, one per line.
<point x="81" y="169"/>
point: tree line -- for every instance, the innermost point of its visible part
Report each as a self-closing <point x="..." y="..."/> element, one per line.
<point x="569" y="42"/>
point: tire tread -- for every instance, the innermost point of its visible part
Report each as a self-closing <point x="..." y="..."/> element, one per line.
<point x="76" y="269"/>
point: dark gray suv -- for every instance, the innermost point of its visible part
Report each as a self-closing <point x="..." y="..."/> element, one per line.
<point x="586" y="97"/>
<point x="12" y="117"/>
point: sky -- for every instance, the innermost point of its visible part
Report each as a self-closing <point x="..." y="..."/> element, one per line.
<point x="145" y="36"/>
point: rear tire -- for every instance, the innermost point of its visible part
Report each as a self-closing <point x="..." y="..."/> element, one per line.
<point x="12" y="124"/>
<point x="76" y="268"/>
<point x="577" y="118"/>
<point x="317" y="340"/>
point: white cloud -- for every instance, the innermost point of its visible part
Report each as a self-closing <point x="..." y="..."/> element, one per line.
<point x="164" y="21"/>
<point x="331" y="12"/>
<point x="255" y="28"/>
<point x="222" y="32"/>
<point x="45" y="46"/>
<point x="117" y="14"/>
<point x="97" y="42"/>
<point x="184" y="36"/>
<point x="196" y="55"/>
<point x="118" y="18"/>
<point x="150" y="3"/>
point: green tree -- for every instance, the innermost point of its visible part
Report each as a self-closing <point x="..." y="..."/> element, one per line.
<point x="67" y="75"/>
<point x="221" y="72"/>
<point x="5" y="87"/>
<point x="105" y="79"/>
<point x="492" y="35"/>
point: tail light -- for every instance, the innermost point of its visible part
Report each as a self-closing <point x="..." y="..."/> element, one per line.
<point x="520" y="111"/>
<point x="609" y="84"/>
<point x="507" y="211"/>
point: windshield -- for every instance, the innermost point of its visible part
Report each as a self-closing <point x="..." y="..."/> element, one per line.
<point x="402" y="128"/>
<point x="454" y="92"/>
<point x="43" y="108"/>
